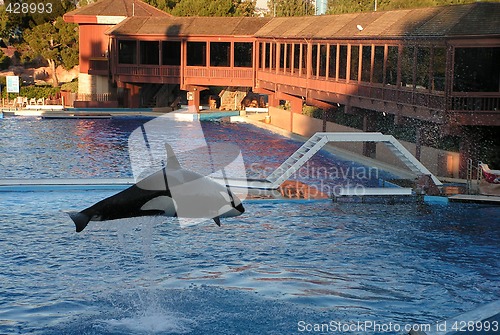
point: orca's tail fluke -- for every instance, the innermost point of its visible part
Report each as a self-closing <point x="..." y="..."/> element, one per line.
<point x="81" y="220"/>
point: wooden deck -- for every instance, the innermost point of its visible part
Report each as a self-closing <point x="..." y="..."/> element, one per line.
<point x="472" y="198"/>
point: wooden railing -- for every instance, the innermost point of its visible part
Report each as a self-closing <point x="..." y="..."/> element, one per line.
<point x="96" y="97"/>
<point x="219" y="72"/>
<point x="99" y="65"/>
<point x="389" y="93"/>
<point x="149" y="70"/>
<point x="478" y="102"/>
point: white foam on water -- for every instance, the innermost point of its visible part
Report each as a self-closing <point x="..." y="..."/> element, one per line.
<point x="156" y="322"/>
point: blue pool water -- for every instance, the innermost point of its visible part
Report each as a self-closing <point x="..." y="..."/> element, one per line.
<point x="280" y="268"/>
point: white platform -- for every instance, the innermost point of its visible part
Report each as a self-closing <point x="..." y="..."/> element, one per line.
<point x="374" y="191"/>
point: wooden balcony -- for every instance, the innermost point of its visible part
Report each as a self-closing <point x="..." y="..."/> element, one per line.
<point x="164" y="74"/>
<point x="469" y="108"/>
<point x="193" y="75"/>
<point x="99" y="66"/>
<point x="404" y="101"/>
<point x="218" y="76"/>
<point x="403" y="95"/>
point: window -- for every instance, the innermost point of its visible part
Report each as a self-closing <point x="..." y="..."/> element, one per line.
<point x="391" y="71"/>
<point x="150" y="52"/>
<point x="127" y="52"/>
<point x="378" y="65"/>
<point x="282" y="48"/>
<point x="243" y="54"/>
<point x="343" y="62"/>
<point x="314" y="60"/>
<point x="304" y="58"/>
<point x="171" y="53"/>
<point x="438" y="69"/>
<point x="289" y="58"/>
<point x="407" y="62"/>
<point x="262" y="52"/>
<point x="322" y="60"/>
<point x="296" y="57"/>
<point x="332" y="70"/>
<point x="366" y="64"/>
<point x="477" y="70"/>
<point x="272" y="59"/>
<point x="354" y="62"/>
<point x="196" y="53"/>
<point x="268" y="56"/>
<point x="423" y="67"/>
<point x="220" y="54"/>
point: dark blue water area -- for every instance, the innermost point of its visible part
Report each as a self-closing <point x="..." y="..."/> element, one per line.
<point x="279" y="268"/>
<point x="283" y="267"/>
<point x="83" y="148"/>
<point x="69" y="148"/>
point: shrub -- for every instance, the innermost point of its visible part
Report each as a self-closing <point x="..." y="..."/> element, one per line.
<point x="71" y="86"/>
<point x="37" y="92"/>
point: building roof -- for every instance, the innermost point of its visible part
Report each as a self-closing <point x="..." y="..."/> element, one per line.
<point x="480" y="18"/>
<point x="112" y="12"/>
<point x="189" y="26"/>
<point x="475" y="19"/>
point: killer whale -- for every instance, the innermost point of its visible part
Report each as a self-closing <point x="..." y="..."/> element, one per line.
<point x="172" y="191"/>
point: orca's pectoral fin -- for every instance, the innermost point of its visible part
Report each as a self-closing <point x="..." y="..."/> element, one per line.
<point x="217" y="220"/>
<point x="81" y="220"/>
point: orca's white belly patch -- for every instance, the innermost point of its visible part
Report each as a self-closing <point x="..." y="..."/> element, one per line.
<point x="162" y="203"/>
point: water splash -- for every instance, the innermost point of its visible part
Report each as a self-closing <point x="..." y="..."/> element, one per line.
<point x="143" y="310"/>
<point x="152" y="322"/>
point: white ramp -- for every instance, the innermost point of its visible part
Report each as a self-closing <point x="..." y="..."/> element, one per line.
<point x="319" y="140"/>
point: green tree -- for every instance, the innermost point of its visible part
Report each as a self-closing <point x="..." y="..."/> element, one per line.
<point x="214" y="8"/>
<point x="351" y="6"/>
<point x="10" y="27"/>
<point x="354" y="6"/>
<point x="36" y="12"/>
<point x="291" y="7"/>
<point x="164" y="5"/>
<point x="56" y="42"/>
<point x="4" y="61"/>
<point x="246" y="8"/>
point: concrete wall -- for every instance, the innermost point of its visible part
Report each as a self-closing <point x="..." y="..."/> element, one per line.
<point x="440" y="162"/>
<point x="92" y="84"/>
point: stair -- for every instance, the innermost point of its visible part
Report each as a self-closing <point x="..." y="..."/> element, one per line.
<point x="297" y="159"/>
<point x="155" y="95"/>
<point x="408" y="159"/>
<point x="318" y="141"/>
<point x="162" y="96"/>
<point x="231" y="97"/>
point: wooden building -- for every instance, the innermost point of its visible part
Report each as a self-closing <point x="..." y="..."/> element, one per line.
<point x="94" y="20"/>
<point x="439" y="65"/>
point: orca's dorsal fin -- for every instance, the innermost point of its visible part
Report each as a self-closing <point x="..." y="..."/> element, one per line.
<point x="172" y="162"/>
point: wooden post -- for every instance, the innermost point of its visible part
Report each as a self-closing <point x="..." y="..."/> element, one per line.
<point x="193" y="97"/>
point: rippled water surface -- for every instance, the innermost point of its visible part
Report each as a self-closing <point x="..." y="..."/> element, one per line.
<point x="280" y="266"/>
